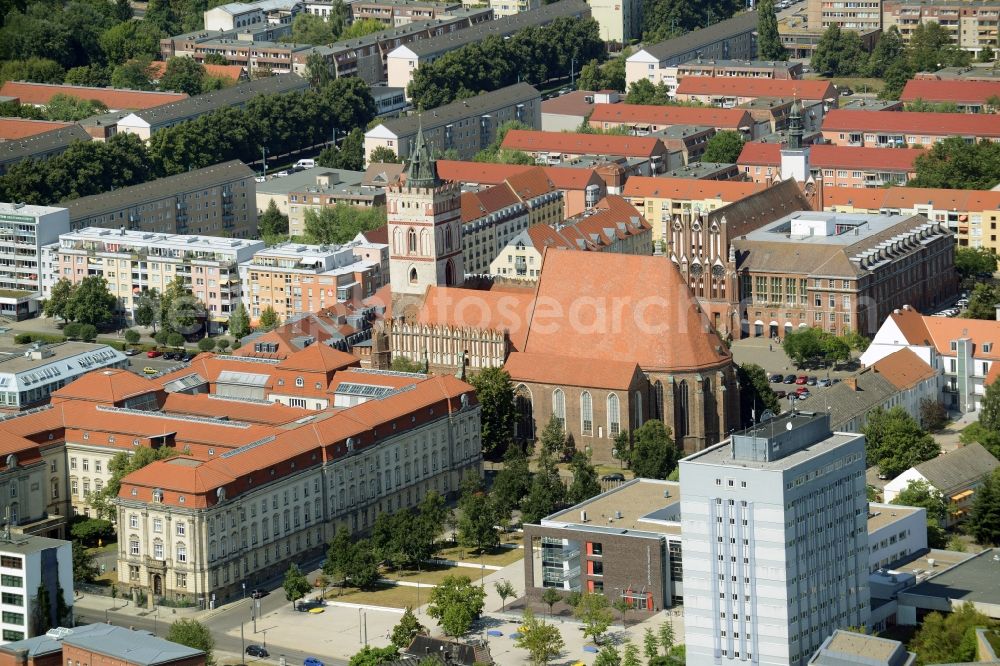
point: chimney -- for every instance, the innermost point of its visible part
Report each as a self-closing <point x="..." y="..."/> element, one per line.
<point x="851" y="382"/>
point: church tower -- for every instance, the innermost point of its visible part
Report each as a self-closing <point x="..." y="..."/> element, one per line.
<point x="425" y="231"/>
<point x="795" y="157"/>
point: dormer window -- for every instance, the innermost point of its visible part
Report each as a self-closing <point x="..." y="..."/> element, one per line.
<point x="987" y="347"/>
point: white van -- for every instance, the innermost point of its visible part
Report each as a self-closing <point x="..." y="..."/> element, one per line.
<point x="305" y="164"/>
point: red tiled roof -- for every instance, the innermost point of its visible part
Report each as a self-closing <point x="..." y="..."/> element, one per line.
<point x="317" y="357"/>
<point x="20" y="128"/>
<point x="480" y="204"/>
<point x="765" y="154"/>
<point x="960" y="92"/>
<point x="108" y="386"/>
<point x="231" y="72"/>
<point x="670" y="115"/>
<point x="204" y="404"/>
<point x="862" y="198"/>
<point x="569" y="371"/>
<point x="907" y="197"/>
<point x="738" y="86"/>
<point x="114" y="98"/>
<point x="530" y="183"/>
<point x="920" y="123"/>
<point x="828" y="156"/>
<point x="689" y="188"/>
<point x="471" y="308"/>
<point x="582" y="144"/>
<point x="904" y="369"/>
<point x="486" y="173"/>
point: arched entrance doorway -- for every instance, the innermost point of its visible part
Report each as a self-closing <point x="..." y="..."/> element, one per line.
<point x="157" y="585"/>
<point x="449" y="273"/>
<point x="773" y="326"/>
<point x="525" y="425"/>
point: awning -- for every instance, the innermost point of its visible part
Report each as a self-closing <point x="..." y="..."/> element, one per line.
<point x="961" y="496"/>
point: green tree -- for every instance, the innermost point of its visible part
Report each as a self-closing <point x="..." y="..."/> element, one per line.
<point x="195" y="635"/>
<point x="585" y="484"/>
<point x="955" y="164"/>
<point x="971" y="262"/>
<point x="553" y="437"/>
<point x="769" y="46"/>
<point x="72" y="331"/>
<point x="130" y="40"/>
<point x="337" y="556"/>
<point x="894" y="79"/>
<point x="312" y="29"/>
<point x="931" y="47"/>
<point x="403" y="364"/>
<point x="512" y="483"/>
<point x="495" y="394"/>
<point x="88" y="332"/>
<point x="475" y="526"/>
<point x="983" y="301"/>
<point x="175" y="340"/>
<point x="350" y="154"/>
<point x="654" y="454"/>
<point x="650" y="644"/>
<point x="338" y="224"/>
<point x="147" y="309"/>
<point x="547" y="492"/>
<point x="39" y="70"/>
<point x="543" y="641"/>
<point x="667" y="636"/>
<point x="361" y="28"/>
<point x="986" y="54"/>
<point x="383" y="155"/>
<point x="594" y="611"/>
<point x="984" y="520"/>
<point x="68" y="108"/>
<point x="839" y="53"/>
<point x="922" y="494"/>
<point x="814" y="345"/>
<point x="132" y="336"/>
<point x="933" y="415"/>
<point x="456" y="603"/>
<point x="268" y="319"/>
<point x="978" y="433"/>
<point x="206" y="344"/>
<point x="505" y="589"/>
<point x="91" y="302"/>
<point x="58" y="304"/>
<point x="895" y="441"/>
<point x="84" y="567"/>
<point x="494" y="153"/>
<point x="295" y="584"/>
<point x="630" y="655"/>
<point x="941" y="638"/>
<point x="756" y="394"/>
<point x="136" y="74"/>
<point x="222" y="344"/>
<point x="272" y="223"/>
<point x="608" y="656"/>
<point x="644" y="91"/>
<point x="989" y="408"/>
<point x="239" y="322"/>
<point x="373" y="656"/>
<point x="407" y="627"/>
<point x="724" y="146"/>
<point x="550" y="597"/>
<point x="888" y="50"/>
<point x="183" y="74"/>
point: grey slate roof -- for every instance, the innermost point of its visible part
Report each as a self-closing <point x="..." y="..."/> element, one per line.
<point x="237" y="95"/>
<point x="160" y="188"/>
<point x="845" y="403"/>
<point x="958" y="470"/>
<point x="699" y="38"/>
<point x="16" y="150"/>
<point x="506" y="25"/>
<point x="134" y="647"/>
<point x="463" y="108"/>
<point x="390" y="34"/>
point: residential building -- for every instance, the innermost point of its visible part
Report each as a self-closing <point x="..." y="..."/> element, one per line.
<point x="956" y="475"/>
<point x="883" y="129"/>
<point x="839" y="166"/>
<point x="800" y="36"/>
<point x="343" y="182"/>
<point x="24" y="231"/>
<point x="344" y="326"/>
<point x="613" y="225"/>
<point x="841" y="272"/>
<point x="394" y="13"/>
<point x="503" y="8"/>
<point x="566" y="113"/>
<point x="581" y="188"/>
<point x="388" y="100"/>
<point x="491" y="217"/>
<point x="686" y="142"/>
<point x="239" y="15"/>
<point x="971" y="25"/>
<point x="147" y="122"/>
<point x="762" y="581"/>
<point x="732" y="91"/>
<point x="672" y="75"/>
<point x="914" y="380"/>
<point x="116" y="99"/>
<point x="214" y="200"/>
<point x="704" y="171"/>
<point x="972" y="215"/>
<point x="549" y="147"/>
<point x="295" y="278"/>
<point x="229" y="73"/>
<point x="849" y="647"/>
<point x="465" y="126"/>
<point x="28" y="564"/>
<point x="971" y="72"/>
<point x="617" y="22"/>
<point x="643" y="119"/>
<point x="404" y="60"/>
<point x="732" y="39"/>
<point x="40" y="143"/>
<point x="861" y="17"/>
<point x="133" y="262"/>
<point x="962" y="349"/>
<point x="100" y="643"/>
<point x="327" y="189"/>
<point x="28" y="378"/>
<point x="896" y="534"/>
<point x="969" y="96"/>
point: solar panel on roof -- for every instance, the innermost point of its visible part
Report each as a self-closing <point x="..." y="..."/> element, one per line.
<point x="365" y="390"/>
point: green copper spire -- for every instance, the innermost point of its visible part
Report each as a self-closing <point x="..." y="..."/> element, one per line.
<point x="795" y="126"/>
<point x="422" y="170"/>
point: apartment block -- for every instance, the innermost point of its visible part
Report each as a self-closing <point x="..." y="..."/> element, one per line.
<point x="861" y="16"/>
<point x="972" y="25"/>
<point x="645" y="118"/>
<point x="24" y="230"/>
<point x="327" y="189"/>
<point x="239" y="15"/>
<point x="776" y="550"/>
<point x="839" y="166"/>
<point x="800" y="36"/>
<point x="394" y="13"/>
<point x="969" y="96"/>
<point x="730" y="91"/>
<point x="35" y="140"/>
<point x="503" y="8"/>
<point x="466" y="126"/>
<point x="619" y="21"/>
<point x="28" y="564"/>
<point x="732" y="39"/>
<point x="905" y="128"/>
<point x="554" y="147"/>
<point x="215" y="200"/>
<point x="672" y="75"/>
<point x="134" y="261"/>
<point x="295" y="278"/>
<point x="116" y="99"/>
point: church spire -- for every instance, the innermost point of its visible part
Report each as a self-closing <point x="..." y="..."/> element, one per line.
<point x="422" y="170"/>
<point x="795" y="126"/>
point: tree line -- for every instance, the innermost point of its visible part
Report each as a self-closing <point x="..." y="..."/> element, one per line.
<point x="279" y="123"/>
<point x="533" y="55"/>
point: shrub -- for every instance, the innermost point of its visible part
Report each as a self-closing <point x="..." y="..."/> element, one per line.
<point x="72" y="330"/>
<point x="206" y="344"/>
<point x="88" y="332"/>
<point x="22" y="339"/>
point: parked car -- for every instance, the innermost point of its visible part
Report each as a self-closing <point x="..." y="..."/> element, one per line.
<point x="187" y="357"/>
<point x="963" y="303"/>
<point x="776" y="378"/>
<point x="801" y="380"/>
<point x="281" y="174"/>
<point x="824" y="382"/>
<point x="789" y="379"/>
<point x="149" y="371"/>
<point x="306" y="164"/>
<point x="260" y="179"/>
<point x="131" y="352"/>
<point x="312" y="661"/>
<point x="802" y="392"/>
<point x="257" y="651"/>
<point x="258" y="594"/>
<point x="811" y="381"/>
<point x="613" y="477"/>
<point x="152" y="353"/>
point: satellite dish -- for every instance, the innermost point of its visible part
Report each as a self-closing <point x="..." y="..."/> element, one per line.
<point x="766" y="416"/>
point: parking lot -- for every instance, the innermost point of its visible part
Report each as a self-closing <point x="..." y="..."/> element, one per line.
<point x="139" y="362"/>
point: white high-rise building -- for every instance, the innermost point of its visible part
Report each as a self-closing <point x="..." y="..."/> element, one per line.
<point x="775" y="540"/>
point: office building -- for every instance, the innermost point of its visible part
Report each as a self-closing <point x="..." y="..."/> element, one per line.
<point x="28" y="378"/>
<point x="775" y="542"/>
<point x="732" y="39"/>
<point x="133" y="262"/>
<point x="465" y="126"/>
<point x="215" y="200"/>
<point x="27" y="565"/>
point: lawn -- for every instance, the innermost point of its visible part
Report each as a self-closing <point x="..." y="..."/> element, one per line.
<point x="431" y="575"/>
<point x="392" y="596"/>
<point x="500" y="557"/>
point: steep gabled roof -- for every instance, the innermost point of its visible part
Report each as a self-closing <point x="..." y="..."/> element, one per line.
<point x="904" y="369"/>
<point x="318" y="357"/>
<point x="116" y="99"/>
<point x="569" y="371"/>
<point x="957" y="470"/>
<point x="108" y="386"/>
